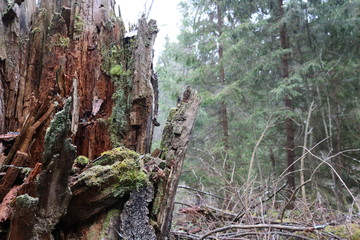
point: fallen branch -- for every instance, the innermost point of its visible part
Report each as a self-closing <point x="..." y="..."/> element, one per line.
<point x="241" y="213"/>
<point x="199" y="191"/>
<point x="292" y="197"/>
<point x="261" y="226"/>
<point x="237" y="235"/>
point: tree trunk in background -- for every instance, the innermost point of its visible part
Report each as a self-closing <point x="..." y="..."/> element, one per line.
<point x="338" y="166"/>
<point x="223" y="108"/>
<point x="284" y="44"/>
<point x="77" y="50"/>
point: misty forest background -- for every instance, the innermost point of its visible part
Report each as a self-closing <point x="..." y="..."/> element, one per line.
<point x="277" y="134"/>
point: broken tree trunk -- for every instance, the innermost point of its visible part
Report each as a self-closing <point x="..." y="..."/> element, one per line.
<point x="53" y="50"/>
<point x="174" y="145"/>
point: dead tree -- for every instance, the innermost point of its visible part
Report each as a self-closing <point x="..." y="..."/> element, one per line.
<point x="80" y="99"/>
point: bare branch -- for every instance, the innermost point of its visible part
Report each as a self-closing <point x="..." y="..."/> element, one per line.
<point x="264" y="226"/>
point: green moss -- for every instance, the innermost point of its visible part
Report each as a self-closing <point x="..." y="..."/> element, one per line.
<point x="59" y="41"/>
<point x="116" y="154"/>
<point x="120" y="167"/>
<point x="95" y="176"/>
<point x="158" y="199"/>
<point x="116" y="63"/>
<point x="350" y="231"/>
<point x="81" y="161"/>
<point x="58" y="129"/>
<point x="117" y="71"/>
<point x="130" y="177"/>
<point x="79" y="24"/>
<point x="106" y="225"/>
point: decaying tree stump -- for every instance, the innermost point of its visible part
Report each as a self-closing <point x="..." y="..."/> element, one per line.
<point x="80" y="100"/>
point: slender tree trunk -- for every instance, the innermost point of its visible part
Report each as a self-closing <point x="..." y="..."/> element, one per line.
<point x="223" y="111"/>
<point x="285" y="58"/>
<point x="302" y="160"/>
<point x="223" y="107"/>
<point x="338" y="166"/>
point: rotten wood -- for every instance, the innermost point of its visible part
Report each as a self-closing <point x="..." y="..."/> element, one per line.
<point x="174" y="145"/>
<point x="144" y="92"/>
<point x="42" y="211"/>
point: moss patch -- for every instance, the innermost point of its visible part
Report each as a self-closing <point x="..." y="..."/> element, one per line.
<point x="117" y="172"/>
<point x="116" y="154"/>
<point x="106" y="225"/>
<point x="130" y="177"/>
<point x="27" y="201"/>
<point x="81" y="161"/>
<point x="95" y="176"/>
<point x="78" y="25"/>
<point x="117" y="71"/>
<point x="115" y="63"/>
<point x="349" y="231"/>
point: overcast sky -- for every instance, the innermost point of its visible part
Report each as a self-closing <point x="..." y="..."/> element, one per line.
<point x="165" y="12"/>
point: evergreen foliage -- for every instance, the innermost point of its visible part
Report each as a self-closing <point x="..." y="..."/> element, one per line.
<point x="324" y="51"/>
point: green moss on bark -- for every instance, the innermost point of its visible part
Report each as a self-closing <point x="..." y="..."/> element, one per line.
<point x="118" y="172"/>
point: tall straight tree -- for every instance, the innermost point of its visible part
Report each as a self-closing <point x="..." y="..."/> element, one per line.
<point x="285" y="58"/>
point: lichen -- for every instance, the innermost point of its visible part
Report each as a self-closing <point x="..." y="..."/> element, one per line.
<point x="35" y="30"/>
<point x="9" y="7"/>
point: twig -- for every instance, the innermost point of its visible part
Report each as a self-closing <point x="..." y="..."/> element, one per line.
<point x="202" y="192"/>
<point x="184" y="234"/>
<point x="291" y="198"/>
<point x="185" y="204"/>
<point x="236" y="236"/>
<point x="336" y="173"/>
<point x="268" y="125"/>
<point x="261" y="226"/>
<point x="241" y="213"/>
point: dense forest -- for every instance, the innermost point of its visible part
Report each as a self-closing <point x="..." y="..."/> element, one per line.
<point x="277" y="136"/>
<point x="257" y="103"/>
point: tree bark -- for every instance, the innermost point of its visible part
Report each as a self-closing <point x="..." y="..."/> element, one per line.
<point x="285" y="58"/>
<point x="224" y="121"/>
